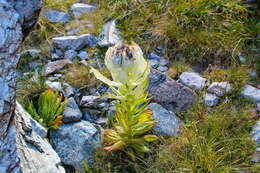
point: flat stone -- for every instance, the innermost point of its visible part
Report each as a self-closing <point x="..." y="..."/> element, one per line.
<point x="75" y="143"/>
<point x="192" y="80"/>
<point x="219" y="88"/>
<point x="70" y="54"/>
<point x="78" y="9"/>
<point x="160" y="60"/>
<point x="74" y="42"/>
<point x="170" y="94"/>
<point x="251" y="93"/>
<point x="211" y="99"/>
<point x="162" y="68"/>
<point x="71" y="112"/>
<point x="168" y="123"/>
<point x="56" y="66"/>
<point x="83" y="55"/>
<point x="56" y="16"/>
<point x="110" y="35"/>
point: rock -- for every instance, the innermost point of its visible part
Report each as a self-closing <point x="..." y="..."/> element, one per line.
<point x="211" y="99"/>
<point x="17" y="20"/>
<point x="253" y="74"/>
<point x="192" y="80"/>
<point x="256" y="137"/>
<point x="92" y="101"/>
<point x="160" y="61"/>
<point x="168" y="122"/>
<point x="242" y="59"/>
<point x="56" y="86"/>
<point x="34" y="151"/>
<point x="170" y="94"/>
<point x="71" y="112"/>
<point x="69" y="91"/>
<point x="56" y="66"/>
<point x="219" y="88"/>
<point x="75" y="143"/>
<point x="83" y="55"/>
<point x="162" y="68"/>
<point x="70" y="54"/>
<point x="73" y="32"/>
<point x="252" y="93"/>
<point x="79" y="9"/>
<point x="32" y="52"/>
<point x="110" y="35"/>
<point x="256" y="133"/>
<point x="74" y="42"/>
<point x="56" y="16"/>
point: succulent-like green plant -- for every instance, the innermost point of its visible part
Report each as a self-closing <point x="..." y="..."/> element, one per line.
<point x="49" y="109"/>
<point x="129" y="71"/>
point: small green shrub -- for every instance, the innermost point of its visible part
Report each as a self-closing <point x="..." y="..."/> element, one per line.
<point x="48" y="110"/>
<point x="132" y="120"/>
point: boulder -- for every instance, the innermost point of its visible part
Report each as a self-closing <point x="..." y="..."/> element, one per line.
<point x="251" y="93"/>
<point x="219" y="88"/>
<point x="71" y="112"/>
<point x="168" y="123"/>
<point x="56" y="86"/>
<point x="75" y="143"/>
<point x="78" y="9"/>
<point x="192" y="80"/>
<point x="55" y="66"/>
<point x="31" y="145"/>
<point x="55" y="16"/>
<point x="110" y="35"/>
<point x="74" y="42"/>
<point x="170" y="94"/>
<point x="211" y="99"/>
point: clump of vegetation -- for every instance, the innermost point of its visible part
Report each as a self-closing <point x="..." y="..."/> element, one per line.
<point x="217" y="141"/>
<point x="198" y="28"/>
<point x="238" y="77"/>
<point x="177" y="68"/>
<point x="132" y="120"/>
<point x="48" y="110"/>
<point x="78" y="75"/>
<point x="29" y="88"/>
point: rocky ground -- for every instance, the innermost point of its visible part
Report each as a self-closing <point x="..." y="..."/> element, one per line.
<point x="88" y="110"/>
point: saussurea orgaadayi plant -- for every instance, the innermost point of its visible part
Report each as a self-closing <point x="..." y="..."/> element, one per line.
<point x="133" y="120"/>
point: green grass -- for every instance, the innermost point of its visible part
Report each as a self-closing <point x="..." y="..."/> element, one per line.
<point x="198" y="28"/>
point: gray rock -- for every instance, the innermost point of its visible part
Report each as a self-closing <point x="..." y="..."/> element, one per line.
<point x="83" y="55"/>
<point x="92" y="101"/>
<point x="71" y="112"/>
<point x="70" y="54"/>
<point x="73" y="32"/>
<point x="110" y="34"/>
<point x="75" y="143"/>
<point x="168" y="123"/>
<point x="69" y="91"/>
<point x="32" y="52"/>
<point x="169" y="93"/>
<point x="160" y="60"/>
<point x="56" y="86"/>
<point x="74" y="42"/>
<point x="34" y="151"/>
<point x="55" y="56"/>
<point x="79" y="9"/>
<point x="253" y="74"/>
<point x="192" y="80"/>
<point x="56" y="66"/>
<point x="252" y="93"/>
<point x="17" y="20"/>
<point x="256" y="134"/>
<point x="242" y="59"/>
<point x="56" y="16"/>
<point x="219" y="88"/>
<point x="211" y="99"/>
<point x="162" y="68"/>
